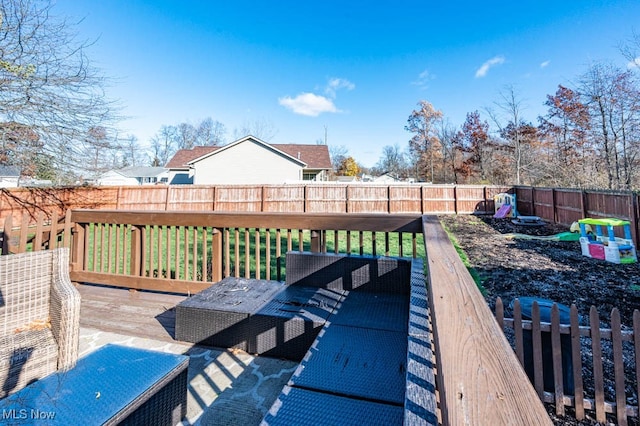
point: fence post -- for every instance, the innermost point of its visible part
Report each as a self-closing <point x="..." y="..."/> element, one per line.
<point x="633" y="216"/>
<point x="533" y="201"/>
<point x="455" y="199"/>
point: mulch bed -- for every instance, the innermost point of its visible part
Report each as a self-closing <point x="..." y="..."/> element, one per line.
<point x="519" y="267"/>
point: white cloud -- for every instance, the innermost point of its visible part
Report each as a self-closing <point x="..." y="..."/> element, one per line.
<point x="634" y="64"/>
<point x="484" y="69"/>
<point x="423" y="79"/>
<point x="545" y="64"/>
<point x="308" y="104"/>
<point x="336" y="84"/>
<point x="313" y="105"/>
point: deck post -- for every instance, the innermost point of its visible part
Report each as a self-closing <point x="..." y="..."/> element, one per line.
<point x="216" y="255"/>
<point x="136" y="251"/>
<point x="316" y="241"/>
<point x="6" y="235"/>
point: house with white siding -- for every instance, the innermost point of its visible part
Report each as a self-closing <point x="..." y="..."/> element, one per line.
<point x="9" y="176"/>
<point x="134" y="175"/>
<point x="249" y="161"/>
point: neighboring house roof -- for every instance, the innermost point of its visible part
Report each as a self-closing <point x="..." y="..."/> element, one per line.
<point x="387" y="176"/>
<point x="314" y="156"/>
<point x="9" y="171"/>
<point x="181" y="158"/>
<point x="257" y="141"/>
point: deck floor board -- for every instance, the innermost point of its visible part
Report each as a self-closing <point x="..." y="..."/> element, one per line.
<point x="132" y="313"/>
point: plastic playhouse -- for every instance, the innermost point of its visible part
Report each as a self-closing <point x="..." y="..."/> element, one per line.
<point x="505" y="205"/>
<point x="607" y="246"/>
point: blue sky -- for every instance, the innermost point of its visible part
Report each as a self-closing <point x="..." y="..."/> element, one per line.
<point x="356" y="68"/>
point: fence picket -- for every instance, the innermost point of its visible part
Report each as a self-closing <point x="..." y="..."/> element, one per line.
<point x="615" y="334"/>
<point x="636" y="346"/>
<point x="536" y="345"/>
<point x="618" y="365"/>
<point x="576" y="359"/>
<point x="500" y="313"/>
<point x="556" y="350"/>
<point x="598" y="376"/>
<point x="517" y="325"/>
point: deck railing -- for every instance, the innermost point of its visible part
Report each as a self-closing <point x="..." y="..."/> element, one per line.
<point x="479" y="378"/>
<point x="185" y="252"/>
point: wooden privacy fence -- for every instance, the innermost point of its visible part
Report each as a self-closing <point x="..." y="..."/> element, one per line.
<point x="565" y="206"/>
<point x="560" y="355"/>
<point x="307" y="198"/>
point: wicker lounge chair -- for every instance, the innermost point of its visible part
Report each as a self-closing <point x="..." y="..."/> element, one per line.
<point x="39" y="317"/>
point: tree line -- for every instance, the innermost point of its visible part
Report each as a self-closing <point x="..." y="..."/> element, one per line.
<point x="588" y="137"/>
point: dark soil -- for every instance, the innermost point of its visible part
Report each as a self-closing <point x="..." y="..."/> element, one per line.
<point x="519" y="267"/>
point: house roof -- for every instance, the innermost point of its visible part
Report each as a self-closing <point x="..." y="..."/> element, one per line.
<point x="257" y="141"/>
<point x="13" y="171"/>
<point x="181" y="158"/>
<point x="141" y="171"/>
<point x="315" y="156"/>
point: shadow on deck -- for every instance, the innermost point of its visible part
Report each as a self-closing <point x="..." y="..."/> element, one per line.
<point x="225" y="386"/>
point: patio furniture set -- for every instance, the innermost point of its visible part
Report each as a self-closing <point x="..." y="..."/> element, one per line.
<point x="42" y="379"/>
<point x="357" y="325"/>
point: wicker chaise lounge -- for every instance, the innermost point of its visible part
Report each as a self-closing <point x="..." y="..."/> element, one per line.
<point x="39" y="317"/>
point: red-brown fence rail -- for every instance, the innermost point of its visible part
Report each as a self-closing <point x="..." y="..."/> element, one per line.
<point x="576" y="363"/>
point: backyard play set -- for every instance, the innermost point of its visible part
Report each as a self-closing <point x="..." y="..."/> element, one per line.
<point x="597" y="245"/>
<point x="607" y="246"/>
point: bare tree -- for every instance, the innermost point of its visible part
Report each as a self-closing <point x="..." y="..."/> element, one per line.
<point x="131" y="151"/>
<point x="260" y="128"/>
<point x="163" y="145"/>
<point x="47" y="82"/>
<point x="512" y="106"/>
<point x="451" y="152"/>
<point x="210" y="132"/>
<point x="612" y="97"/>
<point x="564" y="130"/>
<point x="185" y="136"/>
<point x="392" y="161"/>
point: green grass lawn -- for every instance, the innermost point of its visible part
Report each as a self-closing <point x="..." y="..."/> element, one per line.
<point x="187" y="244"/>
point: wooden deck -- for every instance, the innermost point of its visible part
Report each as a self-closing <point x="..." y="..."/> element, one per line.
<point x="129" y="312"/>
